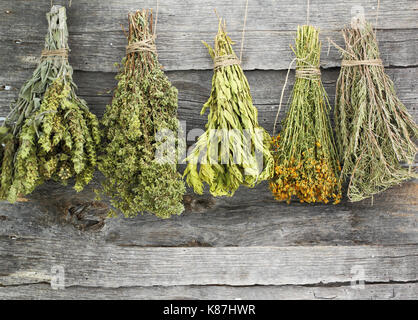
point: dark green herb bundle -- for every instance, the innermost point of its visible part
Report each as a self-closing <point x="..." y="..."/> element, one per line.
<point x="306" y="164"/>
<point x="375" y="132"/>
<point x="144" y="104"/>
<point x="53" y="135"/>
<point x="234" y="150"/>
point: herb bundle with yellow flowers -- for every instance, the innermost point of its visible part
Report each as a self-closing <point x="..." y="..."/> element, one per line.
<point x="306" y="164"/>
<point x="235" y="149"/>
<point x="50" y="133"/>
<point x="374" y="131"/>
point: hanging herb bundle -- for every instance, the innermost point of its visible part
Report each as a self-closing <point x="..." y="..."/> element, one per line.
<point x="306" y="164"/>
<point x="144" y="104"/>
<point x="234" y="150"/>
<point x="6" y="159"/>
<point x="53" y="135"/>
<point x="374" y="131"/>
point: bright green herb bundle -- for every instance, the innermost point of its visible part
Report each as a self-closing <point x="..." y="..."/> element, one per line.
<point x="374" y="131"/>
<point x="53" y="134"/>
<point x="144" y="104"/>
<point x="306" y="164"/>
<point x="233" y="119"/>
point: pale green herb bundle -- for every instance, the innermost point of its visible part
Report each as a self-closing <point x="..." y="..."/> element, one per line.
<point x="52" y="134"/>
<point x="144" y="103"/>
<point x="306" y="164"/>
<point x="375" y="133"/>
<point x="234" y="117"/>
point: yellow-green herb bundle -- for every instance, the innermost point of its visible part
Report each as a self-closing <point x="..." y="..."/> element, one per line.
<point x="51" y="132"/>
<point x="374" y="131"/>
<point x="144" y="104"/>
<point x="234" y="150"/>
<point x="306" y="164"/>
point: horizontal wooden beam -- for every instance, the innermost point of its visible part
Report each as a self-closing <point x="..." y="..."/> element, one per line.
<point x="251" y="218"/>
<point x="98" y="264"/>
<point x="407" y="291"/>
<point x="194" y="89"/>
<point x="97" y="41"/>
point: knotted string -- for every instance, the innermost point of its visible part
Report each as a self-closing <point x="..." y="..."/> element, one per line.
<point x="232" y="59"/>
<point x="226" y="61"/>
<point x="354" y="63"/>
<point x="55" y="53"/>
<point x="143" y="45"/>
<point x="146" y="44"/>
<point x="308" y="73"/>
<point x="302" y="72"/>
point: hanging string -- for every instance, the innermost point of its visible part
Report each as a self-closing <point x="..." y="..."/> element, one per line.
<point x="310" y="72"/>
<point x="147" y="44"/>
<point x="243" y="30"/>
<point x="282" y="95"/>
<point x="354" y="62"/>
<point x="70" y="2"/>
<point x="377" y="15"/>
<point x="156" y="18"/>
<point x="308" y="12"/>
<point x="230" y="60"/>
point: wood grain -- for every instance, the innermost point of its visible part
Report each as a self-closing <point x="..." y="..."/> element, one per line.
<point x="194" y="90"/>
<point x="97" y="41"/>
<point x="97" y="264"/>
<point x="408" y="291"/>
<point x="251" y="218"/>
<point x="245" y="247"/>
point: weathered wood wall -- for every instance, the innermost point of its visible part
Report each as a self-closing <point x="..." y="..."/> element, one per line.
<point x="248" y="246"/>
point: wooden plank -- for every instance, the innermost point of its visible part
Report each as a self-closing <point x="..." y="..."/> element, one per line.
<point x="194" y="89"/>
<point x="99" y="51"/>
<point x="97" y="264"/>
<point x="263" y="15"/>
<point x="408" y="291"/>
<point x="97" y="41"/>
<point x="251" y="218"/>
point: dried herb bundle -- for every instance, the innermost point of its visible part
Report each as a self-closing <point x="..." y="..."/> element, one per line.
<point x="144" y="104"/>
<point x="54" y="135"/>
<point x="6" y="159"/>
<point x="306" y="164"/>
<point x="234" y="150"/>
<point x="374" y="131"/>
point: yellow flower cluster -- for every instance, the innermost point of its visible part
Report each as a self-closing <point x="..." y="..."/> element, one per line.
<point x="310" y="178"/>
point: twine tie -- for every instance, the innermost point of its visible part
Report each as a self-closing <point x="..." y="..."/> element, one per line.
<point x="55" y="53"/>
<point x="144" y="45"/>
